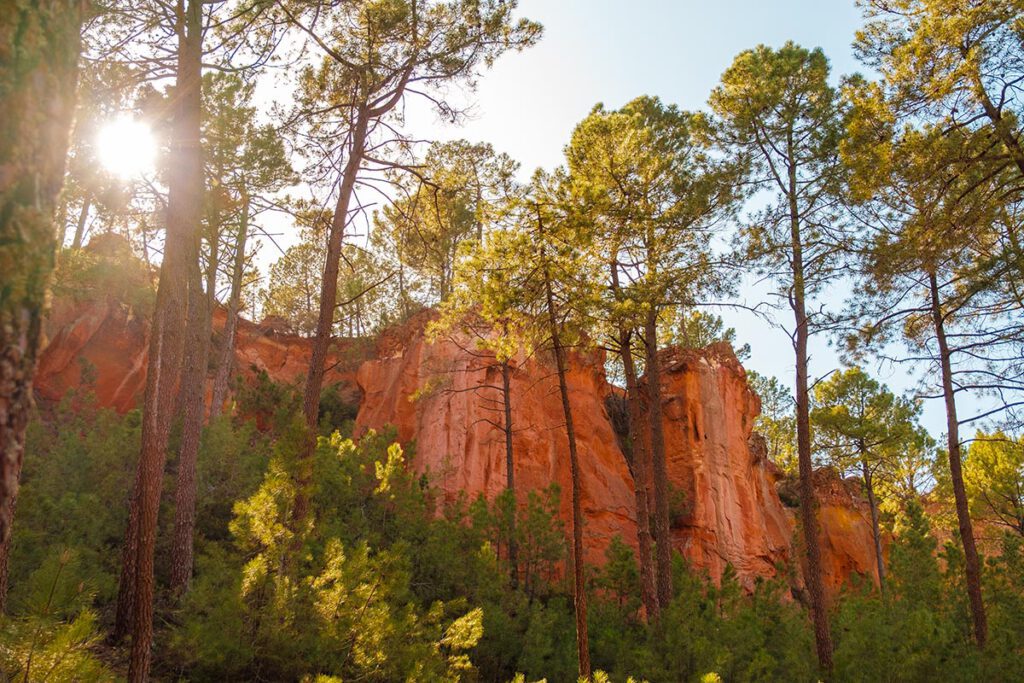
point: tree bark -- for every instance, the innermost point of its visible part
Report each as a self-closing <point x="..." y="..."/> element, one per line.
<point x="124" y="614"/>
<point x="39" y="50"/>
<point x="662" y="527"/>
<point x="193" y="385"/>
<point x="579" y="587"/>
<point x="83" y="216"/>
<point x="193" y="393"/>
<point x="971" y="561"/>
<point x="641" y="479"/>
<point x="325" y="320"/>
<point x="184" y="201"/>
<point x="510" y="472"/>
<point x="227" y="354"/>
<point x="62" y="225"/>
<point x="5" y="556"/>
<point x="402" y="297"/>
<point x="876" y="532"/>
<point x="808" y="502"/>
<point x="213" y="238"/>
<point x="640" y="462"/>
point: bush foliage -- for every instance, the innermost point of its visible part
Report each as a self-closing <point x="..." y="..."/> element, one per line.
<point x="387" y="580"/>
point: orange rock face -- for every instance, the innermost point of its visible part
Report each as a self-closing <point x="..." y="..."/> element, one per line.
<point x="285" y="357"/>
<point x="731" y="513"/>
<point x="447" y="399"/>
<point x="103" y="342"/>
<point x="847" y="544"/>
<point x="445" y="396"/>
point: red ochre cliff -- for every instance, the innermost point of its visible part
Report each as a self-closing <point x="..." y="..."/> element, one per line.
<point x="104" y="343"/>
<point x="441" y="396"/>
<point x="731" y="511"/>
<point x="456" y="442"/>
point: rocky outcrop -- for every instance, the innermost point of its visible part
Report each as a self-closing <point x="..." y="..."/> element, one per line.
<point x="284" y="357"/>
<point x="847" y="544"/>
<point x="731" y="513"/>
<point x="444" y="396"/>
<point x="101" y="344"/>
<point x="104" y="344"/>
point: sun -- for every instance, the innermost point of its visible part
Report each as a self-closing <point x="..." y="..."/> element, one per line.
<point x="126" y="147"/>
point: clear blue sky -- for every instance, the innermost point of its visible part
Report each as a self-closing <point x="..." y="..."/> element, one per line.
<point x="612" y="51"/>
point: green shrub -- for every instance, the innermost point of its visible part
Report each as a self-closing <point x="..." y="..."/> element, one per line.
<point x="78" y="471"/>
<point x="54" y="635"/>
<point x="386" y="580"/>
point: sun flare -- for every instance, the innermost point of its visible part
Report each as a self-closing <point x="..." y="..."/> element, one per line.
<point x="126" y="147"/>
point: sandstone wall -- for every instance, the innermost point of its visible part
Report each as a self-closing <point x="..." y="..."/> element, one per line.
<point x="443" y="395"/>
<point x="446" y="397"/>
<point x="732" y="513"/>
<point x="112" y="341"/>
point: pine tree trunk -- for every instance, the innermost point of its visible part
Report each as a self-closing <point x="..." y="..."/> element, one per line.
<point x="808" y="502"/>
<point x="193" y="385"/>
<point x="662" y="527"/>
<point x="39" y="49"/>
<point x="972" y="563"/>
<point x="641" y="480"/>
<point x="325" y="319"/>
<point x="5" y="557"/>
<point x="124" y="614"/>
<point x="227" y="354"/>
<point x="876" y="531"/>
<point x="329" y="289"/>
<point x="210" y="288"/>
<point x="510" y="472"/>
<point x="639" y="460"/>
<point x="402" y="297"/>
<point x="83" y="216"/>
<point x="579" y="586"/>
<point x="62" y="224"/>
<point x="872" y="505"/>
<point x="184" y="201"/>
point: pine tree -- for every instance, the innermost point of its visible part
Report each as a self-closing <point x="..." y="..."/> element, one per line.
<point x="449" y="199"/>
<point x="139" y="35"/>
<point x="40" y="46"/>
<point x="693" y="328"/>
<point x="243" y="162"/>
<point x="994" y="479"/>
<point x="557" y="266"/>
<point x="921" y="275"/>
<point x="646" y="188"/>
<point x="776" y="421"/>
<point x="167" y="341"/>
<point x="541" y="286"/>
<point x="485" y="307"/>
<point x="372" y="52"/>
<point x="863" y="428"/>
<point x="246" y="165"/>
<point x="952" y="63"/>
<point x="777" y="113"/>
